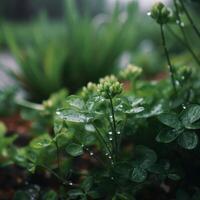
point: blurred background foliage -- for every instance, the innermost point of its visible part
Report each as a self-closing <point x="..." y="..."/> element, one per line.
<point x="66" y="43"/>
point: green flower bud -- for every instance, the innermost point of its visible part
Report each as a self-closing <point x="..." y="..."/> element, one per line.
<point x="109" y="86"/>
<point x="130" y="72"/>
<point x="161" y="13"/>
<point x="90" y="89"/>
<point x="184" y="73"/>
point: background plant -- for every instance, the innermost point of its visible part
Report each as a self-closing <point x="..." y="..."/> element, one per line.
<point x="47" y="65"/>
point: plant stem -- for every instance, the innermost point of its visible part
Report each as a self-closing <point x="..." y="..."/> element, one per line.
<point x="184" y="34"/>
<point x="114" y="125"/>
<point x="30" y="105"/>
<point x="58" y="156"/>
<point x="112" y="129"/>
<point x="171" y="69"/>
<point x="190" y="19"/>
<point x="95" y="157"/>
<point x="184" y="44"/>
<point x="102" y="140"/>
<point x="63" y="181"/>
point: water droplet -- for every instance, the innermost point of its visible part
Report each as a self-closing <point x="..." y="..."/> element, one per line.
<point x="184" y="107"/>
<point x="149" y="14"/>
<point x="110" y="133"/>
<point x="118" y="132"/>
<point x="91" y="153"/>
<point x="58" y="112"/>
<point x="70" y="183"/>
<point x="82" y="145"/>
<point x="182" y="24"/>
<point x="110" y="139"/>
<point x="112" y="178"/>
<point x="110" y="116"/>
<point x="109" y="157"/>
<point x="177" y="22"/>
<point x="177" y="83"/>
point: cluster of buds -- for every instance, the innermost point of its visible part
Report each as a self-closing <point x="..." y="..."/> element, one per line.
<point x="184" y="73"/>
<point x="161" y="13"/>
<point x="130" y="72"/>
<point x="109" y="87"/>
<point x="91" y="88"/>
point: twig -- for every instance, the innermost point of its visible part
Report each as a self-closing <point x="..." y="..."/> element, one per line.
<point x="190" y="19"/>
<point x="171" y="69"/>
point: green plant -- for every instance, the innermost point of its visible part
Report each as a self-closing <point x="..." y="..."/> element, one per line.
<point x="41" y="115"/>
<point x="109" y="143"/>
<point x="41" y="63"/>
<point x="7" y="105"/>
<point x="95" y="124"/>
<point x="55" y="55"/>
<point x="7" y="149"/>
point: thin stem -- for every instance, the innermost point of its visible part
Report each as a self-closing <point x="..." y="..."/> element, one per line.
<point x="30" y="105"/>
<point x="190" y="19"/>
<point x="114" y="124"/>
<point x="63" y="181"/>
<point x="102" y="139"/>
<point x="58" y="156"/>
<point x="184" y="44"/>
<point x="175" y="35"/>
<point x="184" y="34"/>
<point x="95" y="157"/>
<point x="112" y="129"/>
<point x="171" y="69"/>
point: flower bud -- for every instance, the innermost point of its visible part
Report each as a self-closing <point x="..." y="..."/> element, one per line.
<point x="90" y="89"/>
<point x="130" y="72"/>
<point x="184" y="73"/>
<point x="109" y="86"/>
<point x="161" y="13"/>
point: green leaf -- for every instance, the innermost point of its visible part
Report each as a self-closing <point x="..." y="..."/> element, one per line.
<point x="58" y="124"/>
<point x="144" y="157"/>
<point x="188" y="140"/>
<point x="31" y="167"/>
<point x="174" y="177"/>
<point x="169" y="136"/>
<point x="170" y="119"/>
<point x="21" y="195"/>
<point x="182" y="195"/>
<point x="50" y="195"/>
<point x="73" y="116"/>
<point x="2" y="129"/>
<point x="87" y="138"/>
<point x="41" y="142"/>
<point x="75" y="193"/>
<point x="76" y="102"/>
<point x="138" y="175"/>
<point x="160" y="167"/>
<point x="87" y="184"/>
<point x="190" y="115"/>
<point x="74" y="149"/>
